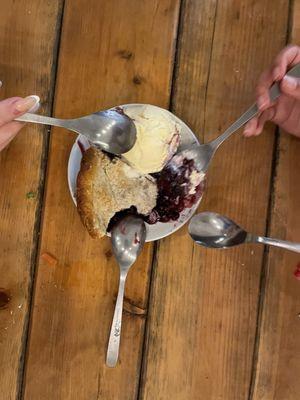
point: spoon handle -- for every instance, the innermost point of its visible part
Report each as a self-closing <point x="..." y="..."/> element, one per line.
<point x="115" y="332"/>
<point x="279" y="243"/>
<point x="274" y="92"/>
<point x="41" y="119"/>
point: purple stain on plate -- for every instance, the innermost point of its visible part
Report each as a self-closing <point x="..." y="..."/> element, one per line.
<point x="81" y="147"/>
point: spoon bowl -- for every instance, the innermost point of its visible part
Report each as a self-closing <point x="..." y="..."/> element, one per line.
<point x="213" y="230"/>
<point x="111" y="130"/>
<point x="127" y="237"/>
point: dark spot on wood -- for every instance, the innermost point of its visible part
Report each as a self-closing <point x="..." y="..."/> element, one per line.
<point x="4" y="299"/>
<point x="108" y="254"/>
<point x="237" y="15"/>
<point x="138" y="80"/>
<point x="31" y="195"/>
<point x="125" y="54"/>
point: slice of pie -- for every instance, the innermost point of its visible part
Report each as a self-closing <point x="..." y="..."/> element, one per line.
<point x="106" y="186"/>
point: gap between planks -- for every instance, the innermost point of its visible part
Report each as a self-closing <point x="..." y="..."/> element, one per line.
<point x="39" y="210"/>
<point x="262" y="287"/>
<point x="154" y="261"/>
<point x="262" y="284"/>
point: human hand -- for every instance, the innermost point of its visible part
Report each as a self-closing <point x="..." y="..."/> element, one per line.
<point x="9" y="110"/>
<point x="285" y="111"/>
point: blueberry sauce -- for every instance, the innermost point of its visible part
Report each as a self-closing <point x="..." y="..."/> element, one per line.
<point x="119" y="110"/>
<point x="174" y="192"/>
<point x="81" y="147"/>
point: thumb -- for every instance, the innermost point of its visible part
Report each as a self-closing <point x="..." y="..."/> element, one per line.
<point x="291" y="87"/>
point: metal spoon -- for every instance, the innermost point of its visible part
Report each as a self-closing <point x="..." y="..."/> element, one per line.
<point x="128" y="238"/>
<point x="111" y="130"/>
<point x="214" y="230"/>
<point x="203" y="154"/>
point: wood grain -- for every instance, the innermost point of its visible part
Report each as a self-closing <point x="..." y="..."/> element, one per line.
<point x="278" y="360"/>
<point x="28" y="35"/>
<point x="203" y="303"/>
<point x="112" y="52"/>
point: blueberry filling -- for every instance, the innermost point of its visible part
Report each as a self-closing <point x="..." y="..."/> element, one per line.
<point x="174" y="192"/>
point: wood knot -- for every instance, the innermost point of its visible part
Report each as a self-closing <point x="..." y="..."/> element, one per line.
<point x="108" y="254"/>
<point x="4" y="299"/>
<point x="138" y="79"/>
<point x="125" y="54"/>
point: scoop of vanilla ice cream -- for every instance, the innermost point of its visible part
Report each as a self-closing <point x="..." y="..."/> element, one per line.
<point x="157" y="139"/>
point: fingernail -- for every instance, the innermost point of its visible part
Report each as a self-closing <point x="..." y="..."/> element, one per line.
<point x="289" y="83"/>
<point x="27" y="104"/>
<point x="36" y="106"/>
<point x="0" y="84"/>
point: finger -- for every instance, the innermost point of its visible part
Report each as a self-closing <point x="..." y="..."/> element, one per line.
<point x="283" y="109"/>
<point x="8" y="132"/>
<point x="288" y="57"/>
<point x="265" y="81"/>
<point x="267" y="115"/>
<point x="262" y="90"/>
<point x="291" y="87"/>
<point x="16" y="106"/>
<point x="250" y="127"/>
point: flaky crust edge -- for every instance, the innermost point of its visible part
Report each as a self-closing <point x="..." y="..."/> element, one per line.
<point x="85" y="208"/>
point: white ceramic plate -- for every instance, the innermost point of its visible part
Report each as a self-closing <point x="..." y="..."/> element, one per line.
<point x="158" y="230"/>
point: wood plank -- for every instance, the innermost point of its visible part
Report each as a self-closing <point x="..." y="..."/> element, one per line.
<point x="112" y="52"/>
<point x="28" y="34"/>
<point x="278" y="359"/>
<point x="203" y="304"/>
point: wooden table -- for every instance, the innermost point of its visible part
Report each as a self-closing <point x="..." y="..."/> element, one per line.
<point x="198" y="324"/>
